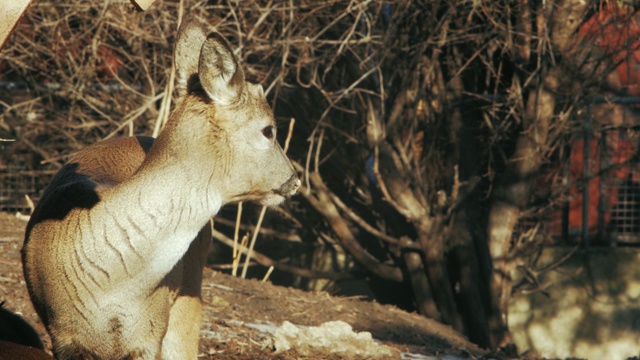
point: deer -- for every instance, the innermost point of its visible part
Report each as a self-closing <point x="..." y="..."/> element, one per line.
<point x="114" y="251"/>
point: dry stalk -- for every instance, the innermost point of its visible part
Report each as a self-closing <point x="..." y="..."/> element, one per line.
<point x="253" y="241"/>
<point x="318" y="150"/>
<point x="236" y="255"/>
<point x="165" y="107"/>
<point x="236" y="259"/>
<point x="264" y="230"/>
<point x="307" y="163"/>
<point x="266" y="276"/>
<point x="266" y="261"/>
<point x="289" y="134"/>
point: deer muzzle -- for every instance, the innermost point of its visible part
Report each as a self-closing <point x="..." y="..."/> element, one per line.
<point x="290" y="187"/>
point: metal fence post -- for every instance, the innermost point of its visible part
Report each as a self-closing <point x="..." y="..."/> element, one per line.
<point x="586" y="173"/>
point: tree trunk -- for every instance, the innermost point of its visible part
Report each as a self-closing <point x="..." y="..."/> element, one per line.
<point x="510" y="196"/>
<point x="513" y="190"/>
<point x="422" y="293"/>
<point x="433" y="245"/>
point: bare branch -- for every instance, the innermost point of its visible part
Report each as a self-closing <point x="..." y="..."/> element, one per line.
<point x="266" y="261"/>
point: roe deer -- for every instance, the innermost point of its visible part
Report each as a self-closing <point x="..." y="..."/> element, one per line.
<point x="112" y="256"/>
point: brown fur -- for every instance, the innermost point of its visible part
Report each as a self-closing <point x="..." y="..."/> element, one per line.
<point x="15" y="329"/>
<point x="13" y="351"/>
<point x="114" y="251"/>
<point x="18" y="340"/>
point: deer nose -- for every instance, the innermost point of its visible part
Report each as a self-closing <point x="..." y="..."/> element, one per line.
<point x="296" y="185"/>
<point x="290" y="187"/>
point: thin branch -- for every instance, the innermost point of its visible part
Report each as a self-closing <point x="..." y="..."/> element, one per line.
<point x="253" y="242"/>
<point x="323" y="204"/>
<point x="266" y="261"/>
<point x="370" y="229"/>
<point x="235" y="237"/>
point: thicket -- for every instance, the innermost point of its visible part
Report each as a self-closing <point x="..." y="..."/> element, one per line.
<point x="419" y="125"/>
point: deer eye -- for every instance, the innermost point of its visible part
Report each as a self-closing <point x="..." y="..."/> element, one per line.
<point x="269" y="132"/>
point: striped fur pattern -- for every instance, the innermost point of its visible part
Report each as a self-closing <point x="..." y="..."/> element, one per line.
<point x="114" y="251"/>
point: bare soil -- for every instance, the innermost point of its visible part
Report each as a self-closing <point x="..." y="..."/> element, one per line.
<point x="236" y="310"/>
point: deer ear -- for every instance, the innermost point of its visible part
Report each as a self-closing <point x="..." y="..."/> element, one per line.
<point x="191" y="36"/>
<point x="221" y="77"/>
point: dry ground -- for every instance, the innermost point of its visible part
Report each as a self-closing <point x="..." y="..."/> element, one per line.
<point x="234" y="306"/>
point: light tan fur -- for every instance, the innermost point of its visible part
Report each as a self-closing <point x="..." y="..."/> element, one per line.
<point x="114" y="251"/>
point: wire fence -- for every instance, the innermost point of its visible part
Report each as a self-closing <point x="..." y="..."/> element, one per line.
<point x="19" y="180"/>
<point x="588" y="194"/>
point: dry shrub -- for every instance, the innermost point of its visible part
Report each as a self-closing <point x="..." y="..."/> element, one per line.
<point x="439" y="88"/>
<point x="76" y="73"/>
<point x="73" y="74"/>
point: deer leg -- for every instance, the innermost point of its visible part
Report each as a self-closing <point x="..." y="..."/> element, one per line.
<point x="185" y="317"/>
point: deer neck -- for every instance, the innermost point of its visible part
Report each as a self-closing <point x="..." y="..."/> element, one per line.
<point x="176" y="191"/>
<point x="183" y="166"/>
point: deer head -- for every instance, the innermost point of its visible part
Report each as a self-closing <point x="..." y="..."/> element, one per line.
<point x="241" y="129"/>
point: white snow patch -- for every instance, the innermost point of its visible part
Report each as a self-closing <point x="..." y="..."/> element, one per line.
<point x="334" y="336"/>
<point x="409" y="356"/>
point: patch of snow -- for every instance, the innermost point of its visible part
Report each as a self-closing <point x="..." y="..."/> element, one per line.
<point x="333" y="336"/>
<point x="410" y="356"/>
